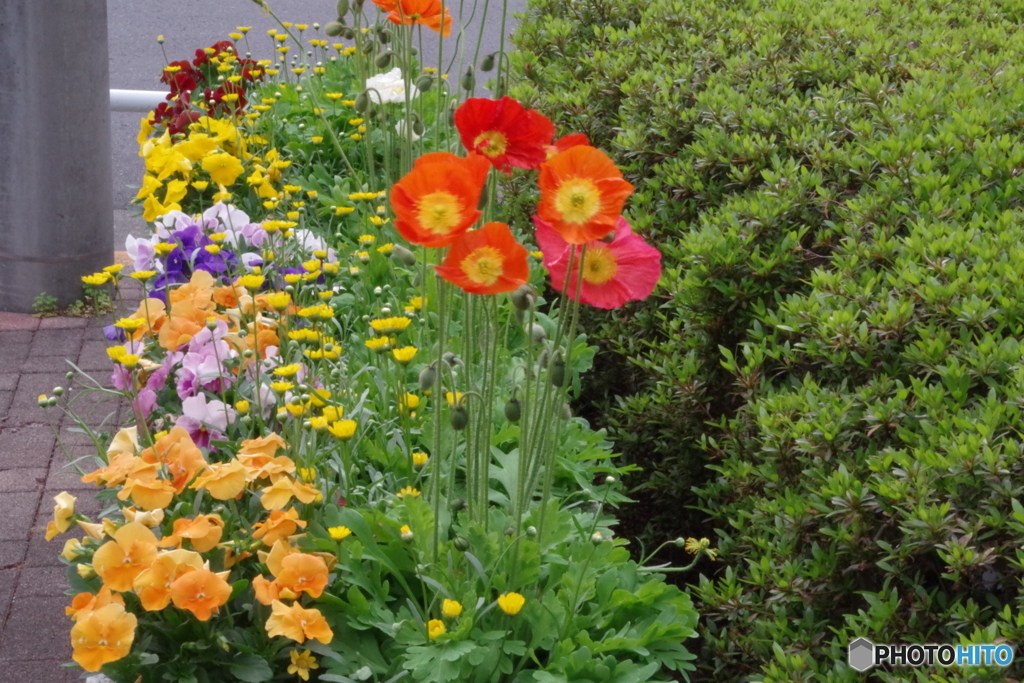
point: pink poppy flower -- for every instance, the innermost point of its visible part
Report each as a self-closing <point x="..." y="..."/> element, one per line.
<point x="624" y="269"/>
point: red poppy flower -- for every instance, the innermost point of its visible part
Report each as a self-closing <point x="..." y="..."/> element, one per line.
<point x="386" y="5"/>
<point x="437" y="200"/>
<point x="504" y="132"/>
<point x="625" y="269"/>
<point x="425" y="12"/>
<point x="564" y="143"/>
<point x="486" y="261"/>
<point x="582" y="194"/>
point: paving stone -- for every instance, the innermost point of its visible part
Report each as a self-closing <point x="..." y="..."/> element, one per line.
<point x="42" y="553"/>
<point x="8" y="583"/>
<point x="22" y="479"/>
<point x="45" y="582"/>
<point x="40" y="671"/>
<point x="12" y="554"/>
<point x="17" y="510"/>
<point x="30" y="386"/>
<point x="55" y="343"/>
<point x="26" y="447"/>
<point x="63" y="475"/>
<point x="18" y="321"/>
<point x="40" y="364"/>
<point x="63" y="323"/>
<point x="99" y="409"/>
<point x="12" y="358"/>
<point x="6" y="399"/>
<point x="94" y="357"/>
<point x="8" y="381"/>
<point x="36" y="628"/>
<point x="15" y="337"/>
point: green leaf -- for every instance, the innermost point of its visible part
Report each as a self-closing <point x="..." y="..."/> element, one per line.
<point x="251" y="669"/>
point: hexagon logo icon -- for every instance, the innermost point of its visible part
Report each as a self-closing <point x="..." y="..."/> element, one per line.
<point x="862" y="654"/>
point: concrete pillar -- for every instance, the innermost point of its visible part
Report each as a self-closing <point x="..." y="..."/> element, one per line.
<point x="56" y="198"/>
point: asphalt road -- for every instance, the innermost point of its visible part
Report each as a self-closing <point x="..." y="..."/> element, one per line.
<point x="136" y="59"/>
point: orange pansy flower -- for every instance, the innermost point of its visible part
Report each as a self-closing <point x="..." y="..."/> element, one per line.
<point x="148" y="492"/>
<point x="177" y="331"/>
<point x="280" y="493"/>
<point x="280" y="524"/>
<point x="302" y="573"/>
<point x="153" y="586"/>
<point x="265" y="445"/>
<point x="486" y="261"/>
<point x="280" y="550"/>
<point x="224" y="481"/>
<point x="87" y="602"/>
<point x="179" y="454"/>
<point x="102" y="635"/>
<point x="262" y="466"/>
<point x="437" y="200"/>
<point x="204" y="532"/>
<point x="131" y="552"/>
<point x="582" y="194"/>
<point x="266" y="591"/>
<point x="201" y="592"/>
<point x="298" y="623"/>
<point x="198" y="292"/>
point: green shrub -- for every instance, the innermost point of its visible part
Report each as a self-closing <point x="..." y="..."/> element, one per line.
<point x="836" y="188"/>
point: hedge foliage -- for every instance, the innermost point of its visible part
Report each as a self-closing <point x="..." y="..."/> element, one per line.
<point x="836" y="360"/>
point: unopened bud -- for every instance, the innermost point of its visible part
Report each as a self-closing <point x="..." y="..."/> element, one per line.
<point x="424" y="83"/>
<point x="342" y="8"/>
<point x="428" y="377"/>
<point x="510" y="531"/>
<point x="403" y="255"/>
<point x="487" y="63"/>
<point x="368" y="47"/>
<point x="538" y="333"/>
<point x="384" y="36"/>
<point x="459" y="417"/>
<point x="513" y="410"/>
<point x="468" y="80"/>
<point x="524" y="297"/>
<point x="531" y="531"/>
<point x="457" y="504"/>
<point x="596" y="537"/>
<point x="58" y="391"/>
<point x="417" y="127"/>
<point x="557" y="371"/>
<point x="461" y="543"/>
<point x="70" y="374"/>
<point x="450" y="358"/>
<point x="383" y="60"/>
<point x="362" y="102"/>
<point x="348" y="33"/>
<point x="334" y="29"/>
<point x="566" y="411"/>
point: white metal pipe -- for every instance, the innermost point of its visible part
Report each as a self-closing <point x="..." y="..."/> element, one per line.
<point x="136" y="100"/>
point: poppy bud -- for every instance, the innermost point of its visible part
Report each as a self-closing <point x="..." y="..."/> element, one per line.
<point x="384" y="36"/>
<point x="342" y="8"/>
<point x="459" y="418"/>
<point x="523" y="297"/>
<point x="510" y="531"/>
<point x="566" y="411"/>
<point x="383" y="60"/>
<point x="348" y="34"/>
<point x="513" y="410"/>
<point x="488" y="62"/>
<point x="557" y="371"/>
<point x="417" y="127"/>
<point x="362" y="102"/>
<point x="610" y="237"/>
<point x="531" y="531"/>
<point x="358" y="4"/>
<point x="457" y="504"/>
<point x="461" y="543"/>
<point x="381" y="115"/>
<point x="368" y="47"/>
<point x="450" y="358"/>
<point x="428" y="377"/>
<point x="538" y="333"/>
<point x="543" y="359"/>
<point x="334" y="29"/>
<point x="424" y="83"/>
<point x="403" y="255"/>
<point x="468" y="80"/>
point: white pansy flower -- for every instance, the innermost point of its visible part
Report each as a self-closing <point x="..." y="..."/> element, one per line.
<point x="389" y="87"/>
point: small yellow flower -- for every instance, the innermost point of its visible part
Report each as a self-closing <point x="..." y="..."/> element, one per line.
<point x="114" y="269"/>
<point x="251" y="282"/>
<point x="379" y="344"/>
<point x="301" y="664"/>
<point x="318" y="423"/>
<point x="453" y="398"/>
<point x="115" y="353"/>
<point x="334" y="413"/>
<point x="97" y="279"/>
<point x="405" y="354"/>
<point x="164" y="248"/>
<point x="451" y="608"/>
<point x="416" y="303"/>
<point x="130" y="324"/>
<point x="307" y="474"/>
<point x="292" y="278"/>
<point x="386" y="248"/>
<point x="389" y="325"/>
<point x="419" y="459"/>
<point x="143" y="275"/>
<point x="435" y="628"/>
<point x="511" y="603"/>
<point x="281" y="387"/>
<point x="343" y="429"/>
<point x="410" y="491"/>
<point x="279" y="300"/>
<point x="356" y="136"/>
<point x="342" y="210"/>
<point x="339" y="533"/>
<point x="409" y="401"/>
<point x="129" y="360"/>
<point x="287" y="370"/>
<point x="212" y="248"/>
<point x="201" y="185"/>
<point x="242" y="406"/>
<point x="316" y="139"/>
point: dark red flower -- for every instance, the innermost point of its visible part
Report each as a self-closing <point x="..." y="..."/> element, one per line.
<point x="504" y="132"/>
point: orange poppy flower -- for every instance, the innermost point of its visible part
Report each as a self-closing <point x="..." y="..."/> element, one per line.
<point x="486" y="261"/>
<point x="204" y="532"/>
<point x="131" y="552"/>
<point x="582" y="194"/>
<point x="280" y="493"/>
<point x="201" y="592"/>
<point x="298" y="623"/>
<point x="437" y="200"/>
<point x="179" y="454"/>
<point x="425" y="12"/>
<point x="224" y="481"/>
<point x="153" y="586"/>
<point x="280" y="524"/>
<point x="386" y="5"/>
<point x="102" y="635"/>
<point x="302" y="573"/>
<point x="504" y="132"/>
<point x="87" y="602"/>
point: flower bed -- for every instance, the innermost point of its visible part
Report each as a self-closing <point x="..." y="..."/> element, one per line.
<point x="352" y="455"/>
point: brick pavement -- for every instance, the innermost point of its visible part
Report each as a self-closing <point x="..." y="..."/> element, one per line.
<point x="34" y="630"/>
